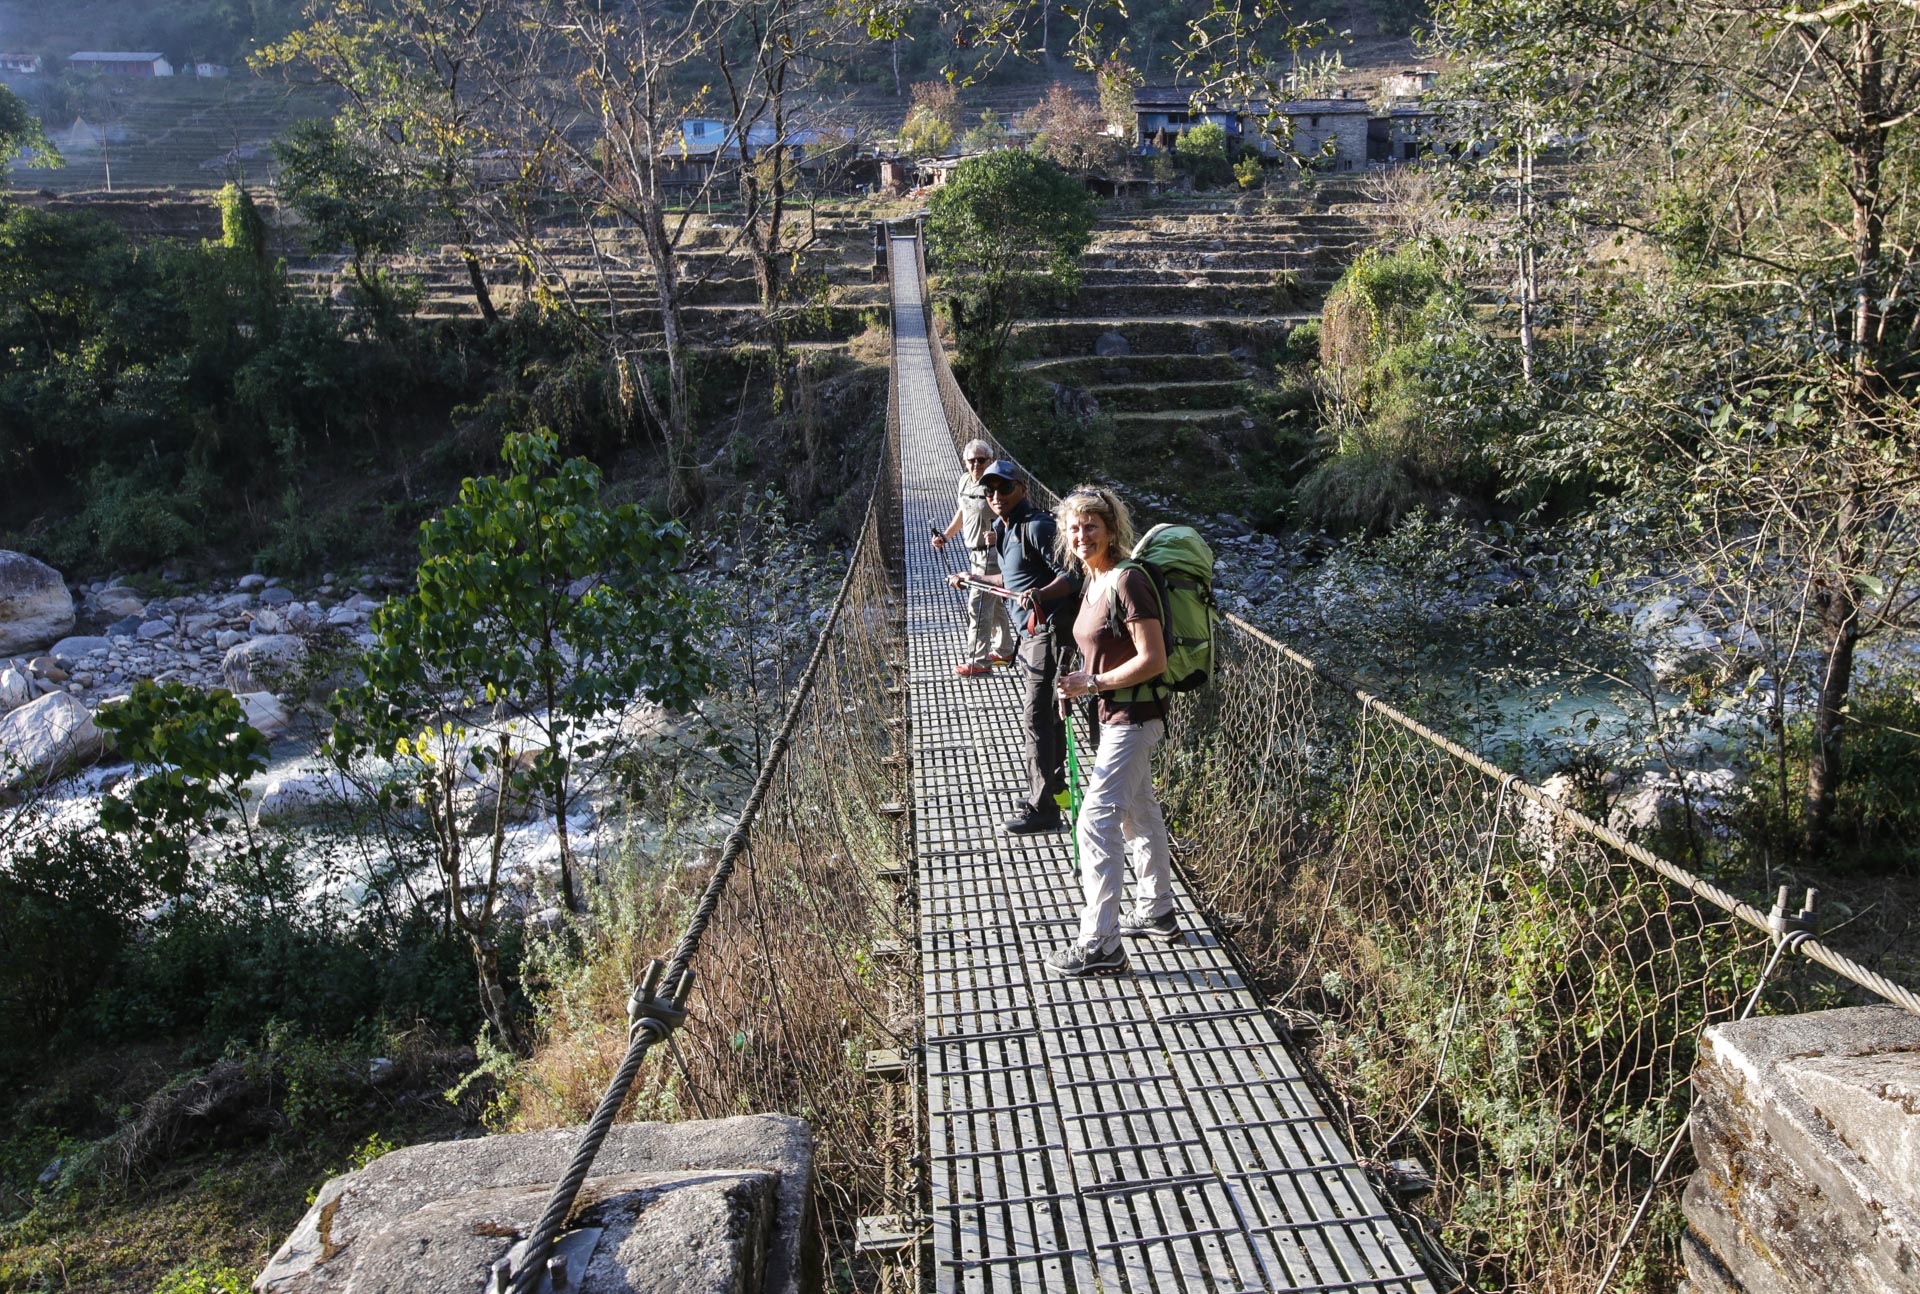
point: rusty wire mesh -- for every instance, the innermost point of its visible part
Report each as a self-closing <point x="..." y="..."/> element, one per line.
<point x="1494" y="986"/>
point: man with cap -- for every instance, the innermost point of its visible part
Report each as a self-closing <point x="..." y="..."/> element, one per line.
<point x="1049" y="599"/>
<point x="989" y="632"/>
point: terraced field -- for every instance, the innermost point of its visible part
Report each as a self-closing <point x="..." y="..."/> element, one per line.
<point x="177" y="133"/>
<point x="1178" y="306"/>
<point x="606" y="271"/>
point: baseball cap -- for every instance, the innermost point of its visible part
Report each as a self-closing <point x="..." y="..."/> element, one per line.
<point x="1004" y="468"/>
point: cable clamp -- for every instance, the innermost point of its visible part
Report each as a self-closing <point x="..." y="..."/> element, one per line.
<point x="1797" y="929"/>
<point x="657" y="1013"/>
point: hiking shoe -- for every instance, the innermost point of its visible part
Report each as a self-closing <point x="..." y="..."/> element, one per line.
<point x="1077" y="961"/>
<point x="1033" y="820"/>
<point x="972" y="669"/>
<point x="1163" y="927"/>
<point x="998" y="659"/>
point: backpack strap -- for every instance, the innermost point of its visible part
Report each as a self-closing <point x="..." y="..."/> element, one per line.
<point x="1154" y="689"/>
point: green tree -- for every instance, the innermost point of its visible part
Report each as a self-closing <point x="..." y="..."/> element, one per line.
<point x="1768" y="152"/>
<point x="1007" y="228"/>
<point x="349" y="198"/>
<point x="414" y="96"/>
<point x="932" y="121"/>
<point x="21" y="135"/>
<point x="536" y="612"/>
<point x="1203" y="152"/>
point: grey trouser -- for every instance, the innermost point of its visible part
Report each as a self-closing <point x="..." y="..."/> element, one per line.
<point x="989" y="632"/>
<point x="1046" y="730"/>
<point x="1121" y="818"/>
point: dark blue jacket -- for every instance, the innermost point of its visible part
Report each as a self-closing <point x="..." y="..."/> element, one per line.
<point x="1024" y="543"/>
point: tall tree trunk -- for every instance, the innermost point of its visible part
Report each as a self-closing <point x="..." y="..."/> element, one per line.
<point x="476" y="275"/>
<point x="1840" y="621"/>
<point x="1864" y="141"/>
<point x="683" y="473"/>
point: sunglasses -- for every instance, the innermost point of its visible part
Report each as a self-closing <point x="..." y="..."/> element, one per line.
<point x="979" y="460"/>
<point x="1003" y="487"/>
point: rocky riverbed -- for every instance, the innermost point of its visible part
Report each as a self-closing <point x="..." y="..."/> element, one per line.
<point x="88" y="644"/>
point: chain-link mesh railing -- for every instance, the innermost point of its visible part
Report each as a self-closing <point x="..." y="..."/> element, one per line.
<point x="1495" y="986"/>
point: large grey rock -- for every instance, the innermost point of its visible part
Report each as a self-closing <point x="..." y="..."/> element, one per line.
<point x="79" y="648"/>
<point x="265" y="713"/>
<point x="1111" y="344"/>
<point x="1807" y="1133"/>
<point x="716" y="1206"/>
<point x="35" y="606"/>
<point x="41" y="737"/>
<point x="260" y="664"/>
<point x="293" y="797"/>
<point x="120" y="602"/>
<point x="15" y="689"/>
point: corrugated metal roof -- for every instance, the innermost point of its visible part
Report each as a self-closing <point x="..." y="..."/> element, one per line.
<point x="113" y="56"/>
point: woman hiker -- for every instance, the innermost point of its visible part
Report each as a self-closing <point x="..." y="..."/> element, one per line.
<point x="1123" y="650"/>
<point x="989" y="631"/>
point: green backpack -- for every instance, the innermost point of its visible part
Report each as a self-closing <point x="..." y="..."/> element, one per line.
<point x="1180" y="565"/>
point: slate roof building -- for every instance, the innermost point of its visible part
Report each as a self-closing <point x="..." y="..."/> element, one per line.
<point x="1331" y="130"/>
<point x="121" y="62"/>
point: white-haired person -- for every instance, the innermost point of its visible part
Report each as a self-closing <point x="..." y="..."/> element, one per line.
<point x="1123" y="654"/>
<point x="989" y="630"/>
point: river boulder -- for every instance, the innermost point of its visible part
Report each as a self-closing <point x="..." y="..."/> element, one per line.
<point x="15" y="689"/>
<point x="259" y="664"/>
<point x="265" y="713"/>
<point x="35" y="606"/>
<point x="42" y="737"/>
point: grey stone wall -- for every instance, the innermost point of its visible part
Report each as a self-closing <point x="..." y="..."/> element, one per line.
<point x="720" y="1206"/>
<point x="1807" y="1133"/>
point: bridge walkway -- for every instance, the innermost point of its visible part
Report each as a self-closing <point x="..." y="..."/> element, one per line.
<point x="1139" y="1133"/>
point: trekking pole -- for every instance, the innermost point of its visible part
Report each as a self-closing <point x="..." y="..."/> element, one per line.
<point x="946" y="563"/>
<point x="970" y="582"/>
<point x="1069" y="799"/>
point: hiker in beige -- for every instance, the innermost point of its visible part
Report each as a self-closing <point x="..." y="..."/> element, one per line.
<point x="989" y="632"/>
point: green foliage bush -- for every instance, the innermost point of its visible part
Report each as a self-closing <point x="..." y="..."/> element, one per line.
<point x="166" y="384"/>
<point x="1203" y="152"/>
<point x="1389" y="323"/>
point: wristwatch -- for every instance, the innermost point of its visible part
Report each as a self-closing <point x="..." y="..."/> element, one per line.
<point x="1093" y="683"/>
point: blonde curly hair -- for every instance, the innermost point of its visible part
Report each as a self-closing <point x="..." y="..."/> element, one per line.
<point x="1092" y="501"/>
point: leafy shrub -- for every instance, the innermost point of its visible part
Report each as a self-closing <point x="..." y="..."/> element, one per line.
<point x="1202" y="150"/>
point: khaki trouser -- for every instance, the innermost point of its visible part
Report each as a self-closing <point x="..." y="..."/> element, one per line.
<point x="989" y="632"/>
<point x="1120" y="818"/>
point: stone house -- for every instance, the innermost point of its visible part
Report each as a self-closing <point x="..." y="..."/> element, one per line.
<point x="1332" y="131"/>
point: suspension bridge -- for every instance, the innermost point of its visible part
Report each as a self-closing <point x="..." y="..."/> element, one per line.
<point x="1141" y="1132"/>
<point x="1513" y="993"/>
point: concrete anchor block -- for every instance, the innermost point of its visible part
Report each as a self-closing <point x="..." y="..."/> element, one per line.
<point x="694" y="1208"/>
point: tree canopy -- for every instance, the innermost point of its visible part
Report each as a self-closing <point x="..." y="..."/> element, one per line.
<point x="1008" y="227"/>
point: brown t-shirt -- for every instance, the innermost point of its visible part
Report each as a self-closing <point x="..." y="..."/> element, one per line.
<point x="1103" y="650"/>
